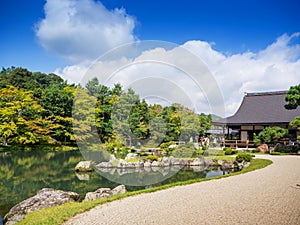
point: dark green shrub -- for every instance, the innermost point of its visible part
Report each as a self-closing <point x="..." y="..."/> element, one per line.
<point x="165" y="146"/>
<point x="287" y="149"/>
<point x="275" y="153"/>
<point x="204" y="147"/>
<point x="255" y="151"/>
<point x="243" y="157"/>
<point x="228" y="151"/>
<point x="143" y="154"/>
<point x="198" y="153"/>
<point x="152" y="157"/>
<point x="121" y="154"/>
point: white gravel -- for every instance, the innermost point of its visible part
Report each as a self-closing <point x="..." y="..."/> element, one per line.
<point x="265" y="196"/>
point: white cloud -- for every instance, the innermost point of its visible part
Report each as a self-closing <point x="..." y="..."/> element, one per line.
<point x="83" y="29"/>
<point x="277" y="67"/>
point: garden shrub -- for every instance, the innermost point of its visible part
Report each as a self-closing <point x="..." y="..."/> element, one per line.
<point x="275" y="153"/>
<point x="255" y="151"/>
<point x="287" y="149"/>
<point x="228" y="151"/>
<point x="152" y="157"/>
<point x="234" y="152"/>
<point x="183" y="152"/>
<point x="243" y="157"/>
<point x="198" y="153"/>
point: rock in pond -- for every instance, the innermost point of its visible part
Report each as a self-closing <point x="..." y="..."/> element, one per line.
<point x="45" y="198"/>
<point x="197" y="162"/>
<point x="84" y="166"/>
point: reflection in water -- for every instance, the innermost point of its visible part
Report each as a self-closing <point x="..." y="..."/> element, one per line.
<point x="24" y="173"/>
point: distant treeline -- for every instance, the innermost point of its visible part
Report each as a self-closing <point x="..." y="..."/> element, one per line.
<point x="36" y="108"/>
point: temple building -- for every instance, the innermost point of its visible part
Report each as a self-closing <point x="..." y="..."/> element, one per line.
<point x="257" y="111"/>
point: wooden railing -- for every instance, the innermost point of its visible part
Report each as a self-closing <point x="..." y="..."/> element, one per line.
<point x="239" y="144"/>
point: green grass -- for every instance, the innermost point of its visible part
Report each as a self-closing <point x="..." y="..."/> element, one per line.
<point x="59" y="214"/>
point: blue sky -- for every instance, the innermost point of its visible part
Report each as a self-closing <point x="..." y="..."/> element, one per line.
<point x="234" y="26"/>
<point x="253" y="44"/>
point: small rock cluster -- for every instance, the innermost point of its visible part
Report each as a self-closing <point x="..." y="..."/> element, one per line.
<point x="164" y="162"/>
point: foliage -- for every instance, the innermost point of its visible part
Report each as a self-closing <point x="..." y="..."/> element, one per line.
<point x="293" y="97"/>
<point x="198" y="153"/>
<point x="184" y="151"/>
<point x="39" y="108"/>
<point x="228" y="151"/>
<point x="152" y="157"/>
<point x="275" y="153"/>
<point x="287" y="149"/>
<point x="296" y="124"/>
<point x="243" y="157"/>
<point x="270" y="134"/>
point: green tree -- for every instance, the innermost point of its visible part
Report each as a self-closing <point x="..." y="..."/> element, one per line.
<point x="173" y="122"/>
<point x="293" y="97"/>
<point x="57" y="102"/>
<point x="121" y="117"/>
<point x="84" y="116"/>
<point x="205" y="123"/>
<point x="270" y="134"/>
<point x="296" y="124"/>
<point x="20" y="121"/>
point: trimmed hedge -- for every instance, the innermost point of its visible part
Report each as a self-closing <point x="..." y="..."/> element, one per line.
<point x="243" y="157"/>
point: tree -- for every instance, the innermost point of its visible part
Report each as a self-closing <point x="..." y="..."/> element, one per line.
<point x="20" y="121"/>
<point x="205" y="123"/>
<point x="293" y="97"/>
<point x="84" y="117"/>
<point x="270" y="134"/>
<point x="122" y="108"/>
<point x="296" y="124"/>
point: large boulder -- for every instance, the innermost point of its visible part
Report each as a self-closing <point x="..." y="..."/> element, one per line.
<point x="105" y="165"/>
<point x="130" y="156"/>
<point x="174" y="161"/>
<point x="197" y="162"/>
<point x="84" y="166"/>
<point x="121" y="189"/>
<point x="99" y="193"/>
<point x="45" y="198"/>
<point x="165" y="162"/>
<point x="262" y="148"/>
<point x="112" y="158"/>
<point x="104" y="193"/>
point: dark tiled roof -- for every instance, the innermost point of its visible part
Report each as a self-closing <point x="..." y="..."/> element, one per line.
<point x="263" y="108"/>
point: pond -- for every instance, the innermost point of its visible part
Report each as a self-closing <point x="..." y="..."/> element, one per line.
<point x="24" y="173"/>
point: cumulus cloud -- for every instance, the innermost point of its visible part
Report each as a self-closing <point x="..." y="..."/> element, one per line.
<point x="277" y="67"/>
<point x="83" y="29"/>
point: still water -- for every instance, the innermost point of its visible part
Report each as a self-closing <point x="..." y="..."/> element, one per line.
<point x="24" y="173"/>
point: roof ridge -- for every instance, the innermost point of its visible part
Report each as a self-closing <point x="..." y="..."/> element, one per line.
<point x="265" y="93"/>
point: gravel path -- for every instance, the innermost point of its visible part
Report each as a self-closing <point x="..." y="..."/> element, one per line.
<point x="266" y="196"/>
